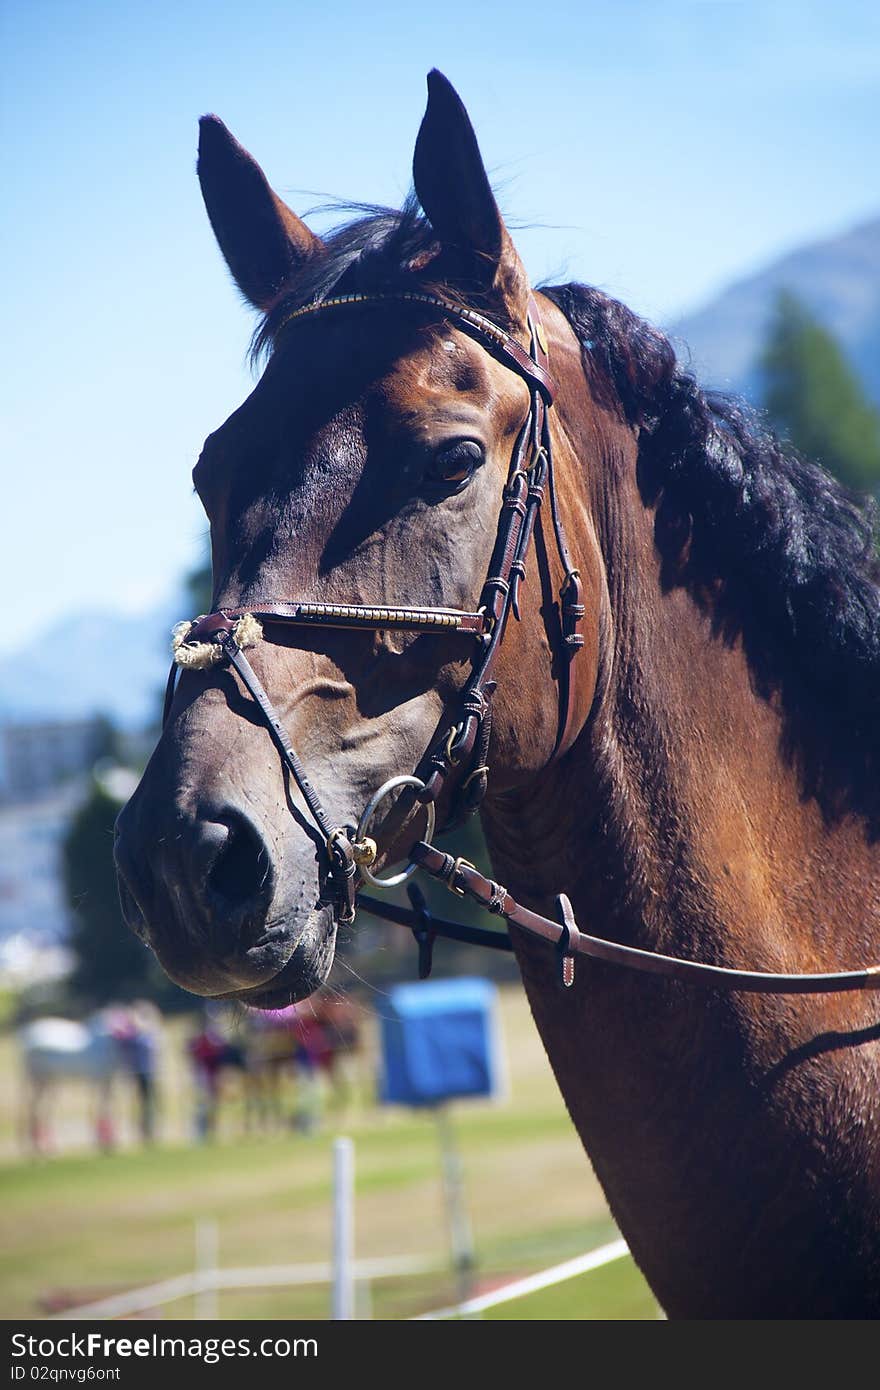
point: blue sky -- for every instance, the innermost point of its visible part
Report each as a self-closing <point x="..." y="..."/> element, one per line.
<point x="659" y="150"/>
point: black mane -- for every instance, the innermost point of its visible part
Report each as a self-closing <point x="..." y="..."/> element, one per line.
<point x="378" y="251"/>
<point x="786" y="555"/>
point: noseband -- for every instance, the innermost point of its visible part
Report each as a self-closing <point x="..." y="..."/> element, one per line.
<point x="221" y="637"/>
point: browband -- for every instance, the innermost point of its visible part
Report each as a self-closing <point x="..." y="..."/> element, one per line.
<point x="512" y="352"/>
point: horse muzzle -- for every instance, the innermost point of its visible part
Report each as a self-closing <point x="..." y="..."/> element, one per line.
<point x="212" y="903"/>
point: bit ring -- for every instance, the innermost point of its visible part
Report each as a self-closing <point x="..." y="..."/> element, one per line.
<point x="369" y="812"/>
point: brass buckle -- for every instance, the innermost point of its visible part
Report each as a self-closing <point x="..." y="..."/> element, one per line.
<point x="455" y="733"/>
<point x="454" y="871"/>
<point x="570" y="576"/>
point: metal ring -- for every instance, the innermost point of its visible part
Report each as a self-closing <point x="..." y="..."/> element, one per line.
<point x="367" y="815"/>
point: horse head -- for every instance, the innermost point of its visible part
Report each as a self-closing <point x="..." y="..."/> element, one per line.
<point x="367" y="468"/>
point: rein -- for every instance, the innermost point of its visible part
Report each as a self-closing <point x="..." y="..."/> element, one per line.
<point x="222" y="636"/>
<point x="462" y="878"/>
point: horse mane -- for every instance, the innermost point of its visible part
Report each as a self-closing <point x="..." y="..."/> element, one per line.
<point x="381" y="250"/>
<point x="783" y="555"/>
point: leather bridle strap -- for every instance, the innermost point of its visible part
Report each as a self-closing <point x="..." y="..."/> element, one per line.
<point x="337" y="844"/>
<point x="529" y="476"/>
<point x="462" y="878"/>
<point x="487" y="333"/>
<point x="237" y="659"/>
<point x="364" y="616"/>
<point x="225" y="645"/>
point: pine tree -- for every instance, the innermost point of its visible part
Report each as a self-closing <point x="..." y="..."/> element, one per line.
<point x="110" y="963"/>
<point x="814" y="398"/>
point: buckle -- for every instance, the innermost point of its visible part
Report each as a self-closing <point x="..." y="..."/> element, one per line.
<point x="457" y="866"/>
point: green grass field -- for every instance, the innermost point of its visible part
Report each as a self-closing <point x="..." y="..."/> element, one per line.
<point x="79" y="1225"/>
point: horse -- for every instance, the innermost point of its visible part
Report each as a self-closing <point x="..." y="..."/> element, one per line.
<point x="319" y="1041"/>
<point x="264" y="1053"/>
<point x="682" y="739"/>
<point x="113" y="1042"/>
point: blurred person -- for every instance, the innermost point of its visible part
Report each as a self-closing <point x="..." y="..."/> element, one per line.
<point x="312" y="1056"/>
<point x="341" y="1021"/>
<point x="206" y="1050"/>
<point x="138" y="1039"/>
<point x="269" y="1053"/>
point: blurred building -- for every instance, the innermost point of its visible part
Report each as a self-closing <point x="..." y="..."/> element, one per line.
<point x="36" y="757"/>
<point x="34" y="920"/>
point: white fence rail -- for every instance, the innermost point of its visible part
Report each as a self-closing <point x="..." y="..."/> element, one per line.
<point x="198" y="1282"/>
<point x="581" y="1264"/>
<point x="344" y="1272"/>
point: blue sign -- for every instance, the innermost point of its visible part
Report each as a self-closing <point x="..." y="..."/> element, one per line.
<point x="440" y="1040"/>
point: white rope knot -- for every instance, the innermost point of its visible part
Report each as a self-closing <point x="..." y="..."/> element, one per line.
<point x="199" y="656"/>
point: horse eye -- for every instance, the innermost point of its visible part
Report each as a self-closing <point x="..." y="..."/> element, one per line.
<point x="455" y="462"/>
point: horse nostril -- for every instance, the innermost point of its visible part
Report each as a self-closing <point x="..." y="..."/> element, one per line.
<point x="235" y="861"/>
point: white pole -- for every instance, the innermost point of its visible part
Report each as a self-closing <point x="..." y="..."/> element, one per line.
<point x="343" y="1230"/>
<point x="207" y="1243"/>
<point x="460" y="1233"/>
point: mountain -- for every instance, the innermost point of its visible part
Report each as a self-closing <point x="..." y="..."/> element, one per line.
<point x="838" y="279"/>
<point x="112" y="663"/>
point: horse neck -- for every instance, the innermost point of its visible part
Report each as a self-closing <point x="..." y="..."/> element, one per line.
<point x="676" y="823"/>
<point x="675" y="820"/>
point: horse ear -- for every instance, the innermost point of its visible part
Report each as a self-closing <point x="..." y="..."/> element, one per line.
<point x="454" y="190"/>
<point x="262" y="240"/>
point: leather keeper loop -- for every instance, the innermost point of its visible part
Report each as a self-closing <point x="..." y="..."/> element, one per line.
<point x="573" y="611"/>
<point x="433" y="786"/>
<point x="568" y="943"/>
<point x="500" y="585"/>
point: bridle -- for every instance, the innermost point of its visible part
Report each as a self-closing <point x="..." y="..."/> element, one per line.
<point x="461" y="756"/>
<point x="462" y="753"/>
